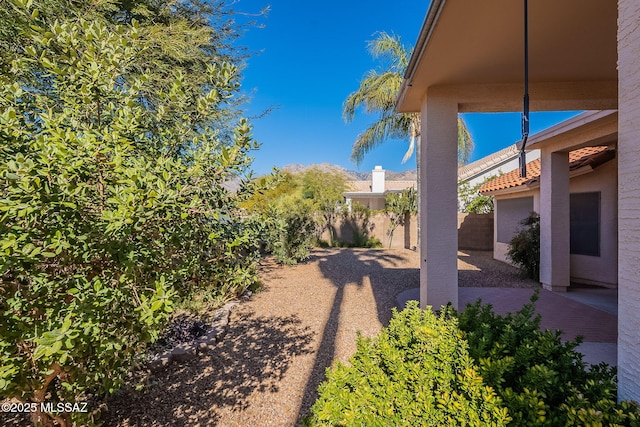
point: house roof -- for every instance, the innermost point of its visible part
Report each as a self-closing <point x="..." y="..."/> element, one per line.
<point x="363" y="188"/>
<point x="399" y="185"/>
<point x="479" y="166"/>
<point x="359" y="186"/>
<point x="588" y="156"/>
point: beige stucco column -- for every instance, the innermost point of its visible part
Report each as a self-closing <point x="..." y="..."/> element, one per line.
<point x="439" y="227"/>
<point x="554" y="220"/>
<point x="628" y="200"/>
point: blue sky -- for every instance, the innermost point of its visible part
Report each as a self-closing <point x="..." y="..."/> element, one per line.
<point x="309" y="56"/>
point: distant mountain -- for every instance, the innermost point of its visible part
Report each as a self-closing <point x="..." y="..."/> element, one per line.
<point x="409" y="175"/>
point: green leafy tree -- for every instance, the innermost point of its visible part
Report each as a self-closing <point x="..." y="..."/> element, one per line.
<point x="399" y="207"/>
<point x="274" y="188"/>
<point x="470" y="200"/>
<point x="183" y="37"/>
<point x="113" y="204"/>
<point x="325" y="189"/>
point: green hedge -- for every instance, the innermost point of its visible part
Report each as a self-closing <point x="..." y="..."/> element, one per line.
<point x="475" y="369"/>
<point x="541" y="379"/>
<point x="416" y="372"/>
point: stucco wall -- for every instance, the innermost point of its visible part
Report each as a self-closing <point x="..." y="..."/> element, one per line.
<point x="600" y="270"/>
<point x="500" y="248"/>
<point x="373" y="203"/>
<point x="510" y="213"/>
<point x="629" y="200"/>
<point x="475" y="231"/>
<point x="405" y="236"/>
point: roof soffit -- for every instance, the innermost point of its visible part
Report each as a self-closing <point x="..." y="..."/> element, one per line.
<point x="481" y="42"/>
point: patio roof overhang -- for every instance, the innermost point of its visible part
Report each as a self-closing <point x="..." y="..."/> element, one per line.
<point x="473" y="50"/>
<point x="588" y="129"/>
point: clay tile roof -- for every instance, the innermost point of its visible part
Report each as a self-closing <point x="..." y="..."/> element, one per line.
<point x="588" y="156"/>
<point x="399" y="185"/>
<point x="359" y="186"/>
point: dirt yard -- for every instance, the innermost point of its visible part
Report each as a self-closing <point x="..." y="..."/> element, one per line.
<point x="267" y="369"/>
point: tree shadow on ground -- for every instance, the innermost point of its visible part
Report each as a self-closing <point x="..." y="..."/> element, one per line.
<point x="254" y="356"/>
<point x="354" y="267"/>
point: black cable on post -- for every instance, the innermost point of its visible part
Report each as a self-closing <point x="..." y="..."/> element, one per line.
<point x="525" y="110"/>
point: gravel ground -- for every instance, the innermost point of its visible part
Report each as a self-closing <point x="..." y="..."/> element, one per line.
<point x="268" y="367"/>
<point x="478" y="269"/>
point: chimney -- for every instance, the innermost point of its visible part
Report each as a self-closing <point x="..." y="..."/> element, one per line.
<point x="377" y="180"/>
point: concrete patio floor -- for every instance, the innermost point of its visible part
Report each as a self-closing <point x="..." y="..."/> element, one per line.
<point x="590" y="312"/>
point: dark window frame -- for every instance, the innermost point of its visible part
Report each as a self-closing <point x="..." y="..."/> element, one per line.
<point x="585" y="220"/>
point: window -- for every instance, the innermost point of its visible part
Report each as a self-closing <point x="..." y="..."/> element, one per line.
<point x="585" y="223"/>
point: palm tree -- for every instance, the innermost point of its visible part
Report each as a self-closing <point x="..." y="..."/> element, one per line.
<point x="377" y="95"/>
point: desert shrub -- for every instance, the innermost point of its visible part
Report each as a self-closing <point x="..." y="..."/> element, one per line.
<point x="416" y="372"/>
<point x="297" y="208"/>
<point x="472" y="368"/>
<point x="371" y="242"/>
<point x="541" y="379"/>
<point x="113" y="206"/>
<point x="399" y="208"/>
<point x="524" y="248"/>
<point x="291" y="230"/>
<point x="359" y="220"/>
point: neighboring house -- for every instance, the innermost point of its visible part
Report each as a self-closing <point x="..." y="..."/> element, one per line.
<point x="492" y="165"/>
<point x="593" y="213"/>
<point x="583" y="55"/>
<point x="372" y="194"/>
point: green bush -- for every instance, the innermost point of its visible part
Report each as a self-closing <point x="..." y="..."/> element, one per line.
<point x="399" y="207"/>
<point x="359" y="220"/>
<point x="524" y="248"/>
<point x="291" y="230"/>
<point x="471" y="201"/>
<point x="416" y="372"/>
<point x="296" y="209"/>
<point x="475" y="368"/>
<point x="541" y="379"/>
<point x="113" y="206"/>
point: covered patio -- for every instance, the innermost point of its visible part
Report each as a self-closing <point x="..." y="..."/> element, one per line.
<point x="582" y="56"/>
<point x="587" y="312"/>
